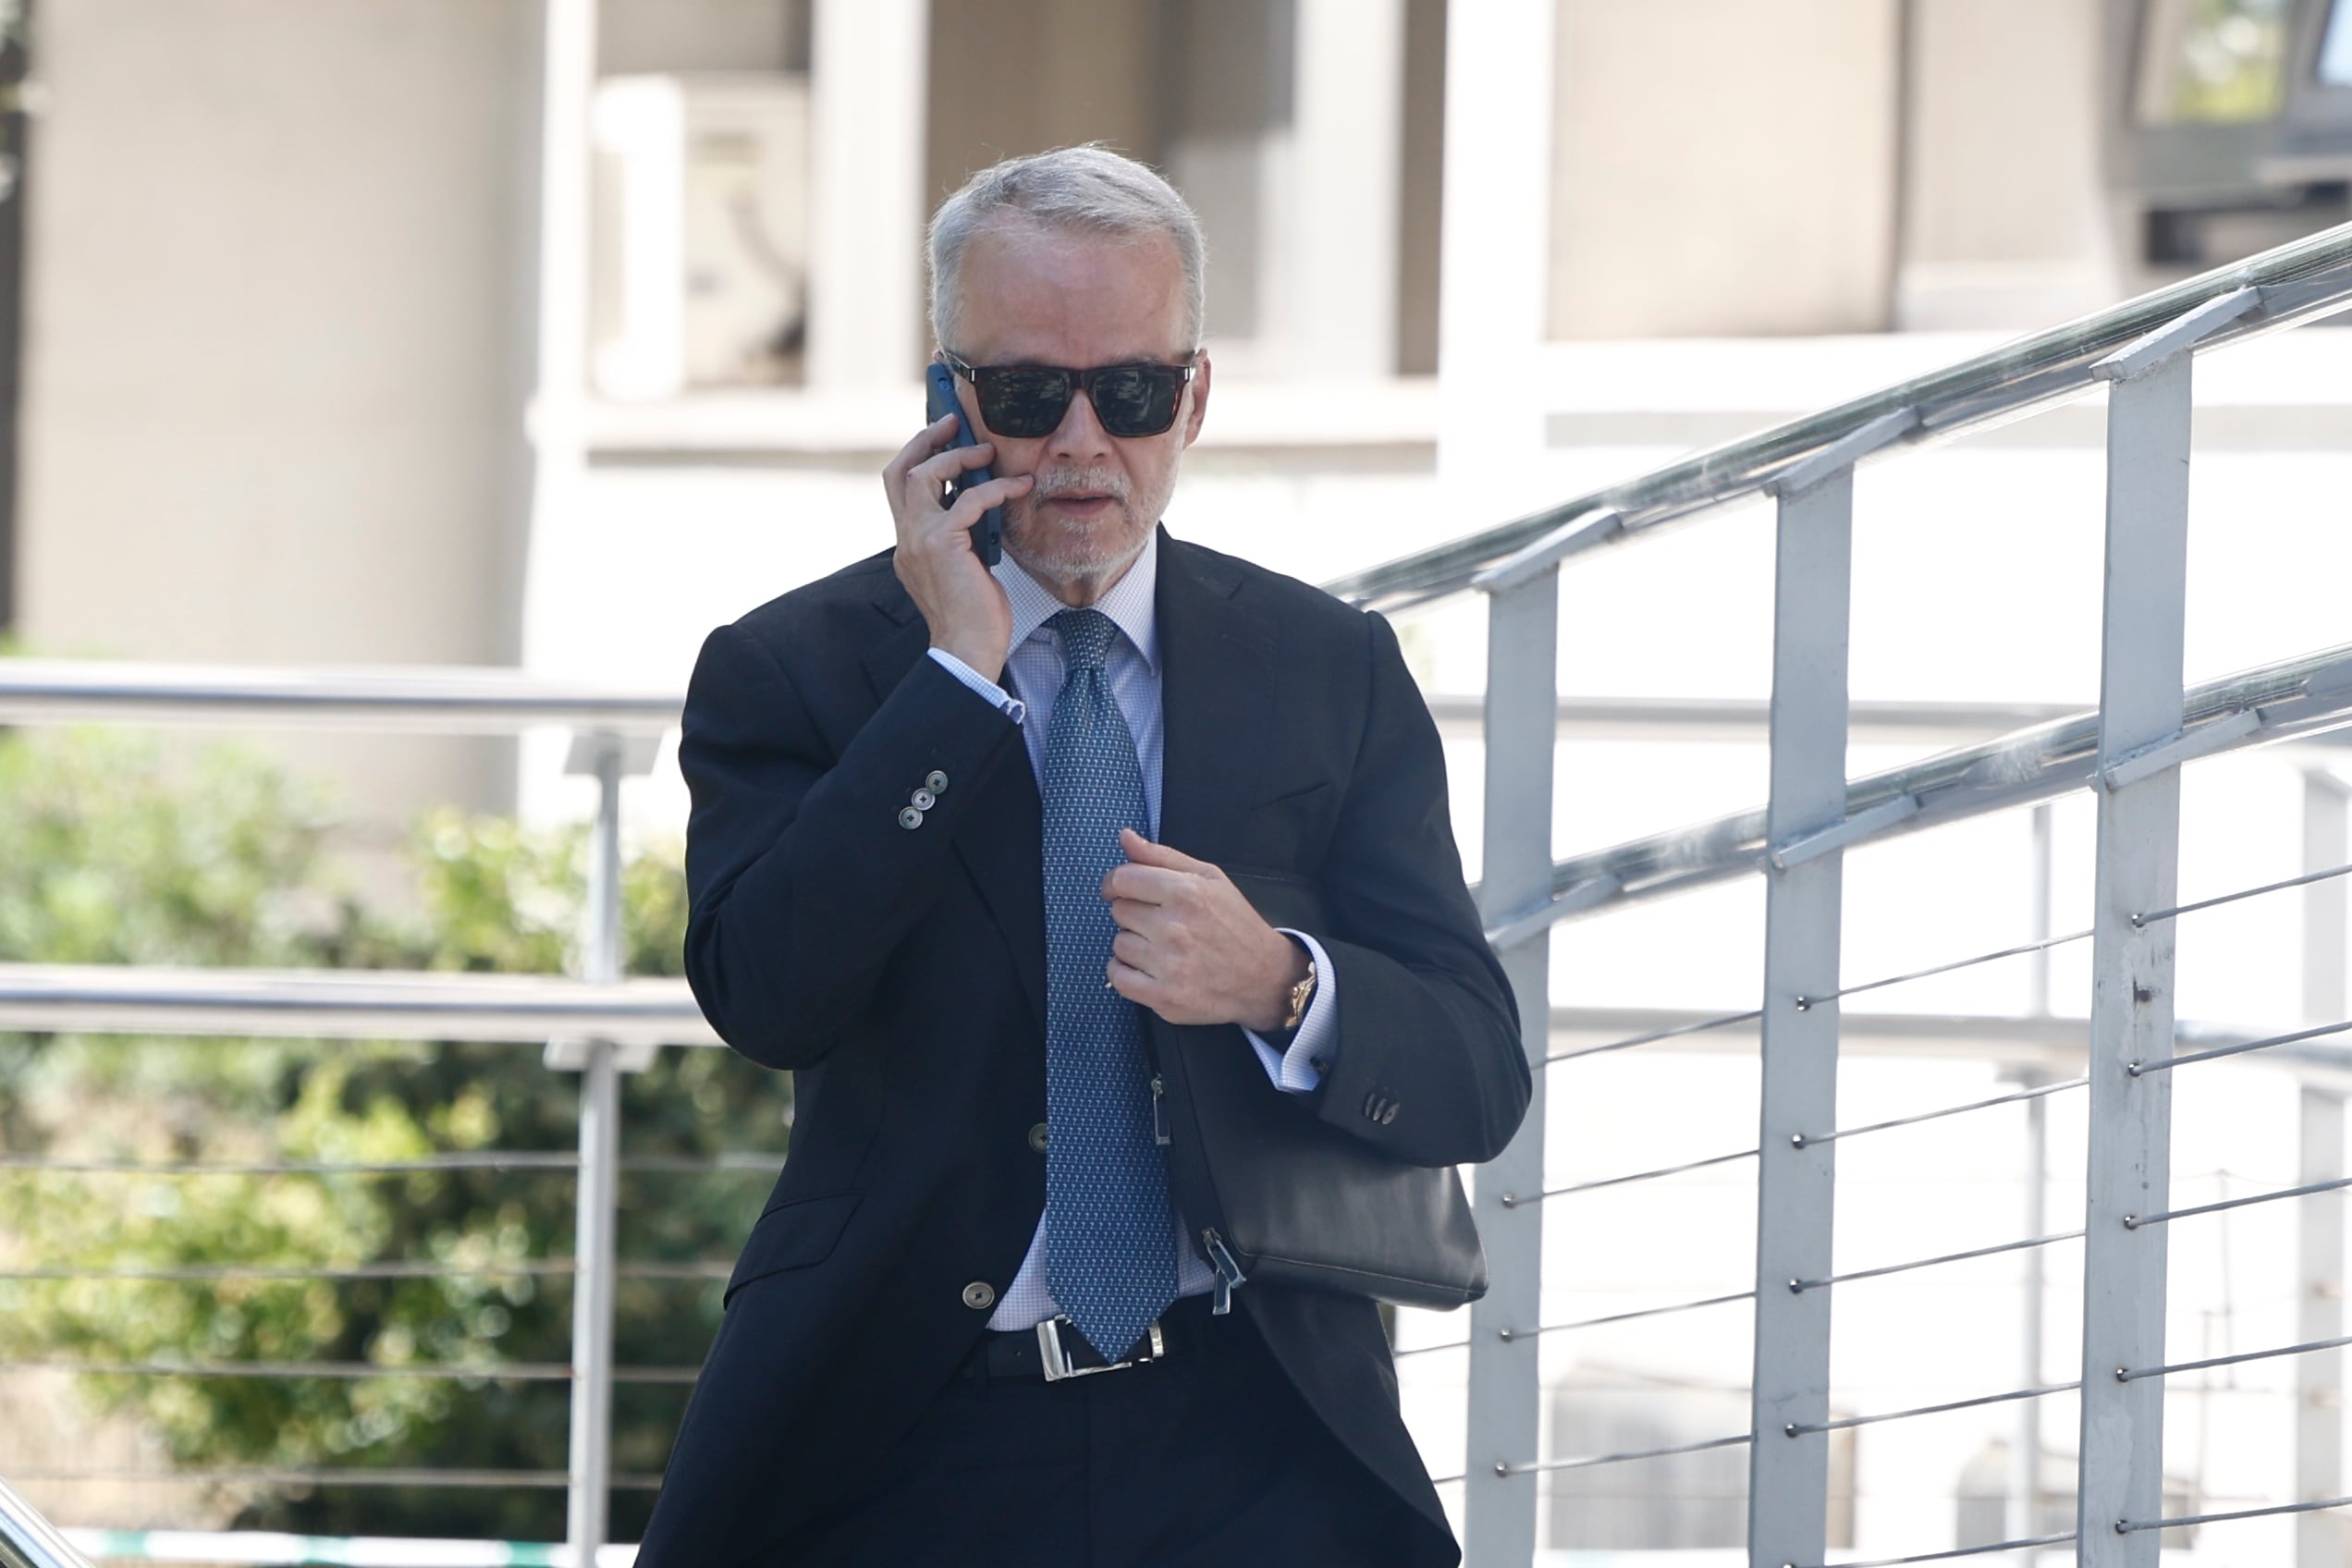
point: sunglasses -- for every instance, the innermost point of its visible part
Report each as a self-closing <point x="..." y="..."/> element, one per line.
<point x="1028" y="402"/>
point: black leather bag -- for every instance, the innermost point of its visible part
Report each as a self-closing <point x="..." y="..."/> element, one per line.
<point x="1283" y="1196"/>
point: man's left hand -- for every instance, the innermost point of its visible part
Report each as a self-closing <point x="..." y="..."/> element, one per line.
<point x="1190" y="947"/>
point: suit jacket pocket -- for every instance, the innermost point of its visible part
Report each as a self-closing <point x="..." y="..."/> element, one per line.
<point x="1282" y="898"/>
<point x="792" y="1235"/>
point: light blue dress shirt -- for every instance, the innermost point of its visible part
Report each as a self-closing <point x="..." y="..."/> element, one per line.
<point x="1033" y="669"/>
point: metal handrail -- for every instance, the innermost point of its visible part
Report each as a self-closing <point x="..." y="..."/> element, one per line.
<point x="434" y="699"/>
<point x="2294" y="697"/>
<point x="2310" y="277"/>
<point x="28" y="1541"/>
<point x="347" y="1004"/>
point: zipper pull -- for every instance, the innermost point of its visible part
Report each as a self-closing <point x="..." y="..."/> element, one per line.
<point x="1160" y="1111"/>
<point x="1229" y="1273"/>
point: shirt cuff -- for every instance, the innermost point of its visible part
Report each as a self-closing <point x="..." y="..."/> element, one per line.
<point x="1299" y="1070"/>
<point x="1005" y="702"/>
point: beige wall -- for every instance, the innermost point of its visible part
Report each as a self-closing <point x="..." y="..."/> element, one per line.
<point x="2005" y="218"/>
<point x="701" y="35"/>
<point x="1723" y="168"/>
<point x="1011" y="77"/>
<point x="275" y="354"/>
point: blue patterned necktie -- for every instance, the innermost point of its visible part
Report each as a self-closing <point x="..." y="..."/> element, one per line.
<point x="1110" y="1246"/>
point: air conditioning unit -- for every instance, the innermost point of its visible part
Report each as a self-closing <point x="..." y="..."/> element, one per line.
<point x="700" y="258"/>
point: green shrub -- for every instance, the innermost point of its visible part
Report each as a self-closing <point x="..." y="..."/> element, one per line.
<point x="114" y="849"/>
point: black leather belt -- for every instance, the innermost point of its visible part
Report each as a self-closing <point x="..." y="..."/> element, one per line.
<point x="1054" y="1350"/>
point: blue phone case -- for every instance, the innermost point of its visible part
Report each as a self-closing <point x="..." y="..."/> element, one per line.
<point x="988" y="534"/>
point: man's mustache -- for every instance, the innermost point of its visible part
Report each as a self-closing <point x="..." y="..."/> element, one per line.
<point x="1054" y="483"/>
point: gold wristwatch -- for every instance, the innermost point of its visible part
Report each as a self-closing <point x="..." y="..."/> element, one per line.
<point x="1300" y="993"/>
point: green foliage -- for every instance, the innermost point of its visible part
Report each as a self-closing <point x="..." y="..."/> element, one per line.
<point x="118" y="851"/>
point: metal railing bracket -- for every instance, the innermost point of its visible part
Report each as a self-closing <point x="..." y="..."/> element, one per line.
<point x="1861" y="824"/>
<point x="1579" y="534"/>
<point x="1585" y="895"/>
<point x="1843" y="452"/>
<point x="2183" y="746"/>
<point x="2182" y="332"/>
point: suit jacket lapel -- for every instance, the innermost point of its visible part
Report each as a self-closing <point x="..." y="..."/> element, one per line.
<point x="1001" y="843"/>
<point x="1218" y="699"/>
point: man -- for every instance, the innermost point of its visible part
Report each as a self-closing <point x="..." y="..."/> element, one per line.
<point x="961" y="842"/>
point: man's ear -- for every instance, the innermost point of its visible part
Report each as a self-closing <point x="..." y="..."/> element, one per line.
<point x="1199" y="389"/>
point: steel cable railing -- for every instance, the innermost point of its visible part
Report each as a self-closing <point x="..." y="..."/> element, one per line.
<point x="2308" y="879"/>
<point x="1510" y="1200"/>
<point x="330" y="1476"/>
<point x="1798" y="1287"/>
<point x="2034" y="1092"/>
<point x="2038" y="1090"/>
<point x="2293" y="1037"/>
<point x="563" y="1162"/>
<point x="221" y="1273"/>
<point x="1508" y="1336"/>
<point x="2025" y="1544"/>
<point x="2165" y="1216"/>
<point x="2150" y="724"/>
<point x="361" y="1005"/>
<point x="2126" y="1527"/>
<point x="355" y="1371"/>
<point x="1797" y="1429"/>
<point x="1550" y="1466"/>
<point x="2019" y="949"/>
<point x="2130" y="1374"/>
<point x="1725" y="1022"/>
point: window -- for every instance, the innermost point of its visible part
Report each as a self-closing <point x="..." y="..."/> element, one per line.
<point x="2336" y="50"/>
<point x="2219" y="62"/>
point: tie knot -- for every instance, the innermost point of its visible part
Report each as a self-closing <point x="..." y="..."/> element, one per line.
<point x="1086" y="638"/>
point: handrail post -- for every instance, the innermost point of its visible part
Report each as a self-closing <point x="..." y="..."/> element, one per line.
<point x="1505" y="1412"/>
<point x="2318" y="1377"/>
<point x="1789" y="1469"/>
<point x="2025" y="1508"/>
<point x="608" y="758"/>
<point x="2129" y="1152"/>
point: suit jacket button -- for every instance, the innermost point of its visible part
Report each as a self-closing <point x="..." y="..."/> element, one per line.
<point x="1389" y="1115"/>
<point x="936" y="782"/>
<point x="979" y="1295"/>
<point x="1037" y="1137"/>
<point x="910" y="818"/>
<point x="923" y="800"/>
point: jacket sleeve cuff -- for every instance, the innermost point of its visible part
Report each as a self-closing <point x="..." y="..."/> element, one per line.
<point x="1004" y="702"/>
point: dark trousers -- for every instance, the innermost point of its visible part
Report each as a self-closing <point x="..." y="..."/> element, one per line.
<point x="1205" y="1457"/>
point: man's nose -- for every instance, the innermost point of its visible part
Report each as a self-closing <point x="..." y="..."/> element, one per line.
<point x="1080" y="434"/>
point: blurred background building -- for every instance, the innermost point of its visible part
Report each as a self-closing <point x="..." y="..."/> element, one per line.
<point x="553" y="333"/>
<point x="304" y="377"/>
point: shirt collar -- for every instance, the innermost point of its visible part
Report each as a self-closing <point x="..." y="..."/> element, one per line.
<point x="1132" y="603"/>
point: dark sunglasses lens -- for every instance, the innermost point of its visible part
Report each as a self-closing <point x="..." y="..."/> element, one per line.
<point x="1136" y="399"/>
<point x="1022" y="402"/>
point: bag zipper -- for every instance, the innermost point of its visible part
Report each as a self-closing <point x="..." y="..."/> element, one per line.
<point x="1229" y="1273"/>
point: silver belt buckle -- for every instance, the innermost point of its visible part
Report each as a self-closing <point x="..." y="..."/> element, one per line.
<point x="1056" y="1355"/>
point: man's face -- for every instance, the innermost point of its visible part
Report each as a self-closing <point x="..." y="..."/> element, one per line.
<point x="1041" y="297"/>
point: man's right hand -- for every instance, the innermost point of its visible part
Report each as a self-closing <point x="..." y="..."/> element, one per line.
<point x="963" y="605"/>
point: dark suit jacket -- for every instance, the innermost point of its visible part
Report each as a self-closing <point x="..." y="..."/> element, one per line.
<point x="899" y="973"/>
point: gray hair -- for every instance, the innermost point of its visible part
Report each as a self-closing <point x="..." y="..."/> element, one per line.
<point x="1089" y="190"/>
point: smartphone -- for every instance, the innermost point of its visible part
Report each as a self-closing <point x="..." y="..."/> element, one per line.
<point x="988" y="534"/>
